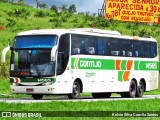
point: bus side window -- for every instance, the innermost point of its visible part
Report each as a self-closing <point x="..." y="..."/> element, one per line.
<point x="77" y="44"/>
<point x="115" y="47"/>
<point x="153" y="49"/>
<point x="90" y="45"/>
<point x="102" y="46"/>
<point x="139" y="49"/>
<point x="127" y="48"/>
<point x="147" y="49"/>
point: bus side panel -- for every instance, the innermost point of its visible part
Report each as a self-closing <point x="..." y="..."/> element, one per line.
<point x="108" y="82"/>
<point x="64" y="83"/>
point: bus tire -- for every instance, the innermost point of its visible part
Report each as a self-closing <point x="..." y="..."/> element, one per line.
<point x="75" y="91"/>
<point x="101" y="95"/>
<point x="132" y="89"/>
<point x="140" y="89"/>
<point x="37" y="96"/>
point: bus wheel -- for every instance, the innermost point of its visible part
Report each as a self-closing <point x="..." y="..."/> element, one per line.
<point x="101" y="95"/>
<point x="132" y="89"/>
<point x="140" y="89"/>
<point x="37" y="96"/>
<point x="75" y="91"/>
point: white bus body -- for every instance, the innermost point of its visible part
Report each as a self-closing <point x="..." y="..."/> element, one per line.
<point x="97" y="61"/>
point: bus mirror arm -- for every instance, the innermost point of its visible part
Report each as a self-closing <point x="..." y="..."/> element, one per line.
<point x="53" y="53"/>
<point x="5" y="50"/>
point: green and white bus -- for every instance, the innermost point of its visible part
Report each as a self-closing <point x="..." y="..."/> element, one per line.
<point x="74" y="61"/>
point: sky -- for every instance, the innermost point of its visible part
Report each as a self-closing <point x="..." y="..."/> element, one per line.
<point x="91" y="6"/>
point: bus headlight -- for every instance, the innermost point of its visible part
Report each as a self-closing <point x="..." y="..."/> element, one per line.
<point x="14" y="84"/>
<point x="47" y="83"/>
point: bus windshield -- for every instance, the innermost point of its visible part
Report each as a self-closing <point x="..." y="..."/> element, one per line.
<point x="31" y="56"/>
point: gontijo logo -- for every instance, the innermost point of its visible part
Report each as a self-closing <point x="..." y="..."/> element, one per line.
<point x="83" y="63"/>
<point x="93" y="64"/>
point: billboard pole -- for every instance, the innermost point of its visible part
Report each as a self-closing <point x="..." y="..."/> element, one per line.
<point x="102" y="10"/>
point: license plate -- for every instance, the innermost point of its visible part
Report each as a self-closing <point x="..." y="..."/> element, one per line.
<point x="29" y="90"/>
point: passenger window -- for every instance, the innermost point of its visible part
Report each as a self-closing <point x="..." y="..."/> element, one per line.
<point x="147" y="49"/>
<point x="77" y="44"/>
<point x="153" y="49"/>
<point x="139" y="49"/>
<point x="103" y="46"/>
<point x="114" y="47"/>
<point x="127" y="48"/>
<point x="90" y="45"/>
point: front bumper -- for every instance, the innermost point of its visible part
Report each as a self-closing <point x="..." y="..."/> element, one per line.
<point x="36" y="89"/>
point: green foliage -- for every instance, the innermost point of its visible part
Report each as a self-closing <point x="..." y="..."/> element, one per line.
<point x="5" y="1"/>
<point x="4" y="70"/>
<point x="18" y="13"/>
<point x="134" y="32"/>
<point x="21" y="3"/>
<point x="115" y="105"/>
<point x="11" y="22"/>
<point x="128" y="25"/>
<point x="64" y="8"/>
<point x="54" y="8"/>
<point x="142" y="32"/>
<point x="72" y="9"/>
<point x="43" y="5"/>
<point x="54" y="19"/>
<point x="40" y="14"/>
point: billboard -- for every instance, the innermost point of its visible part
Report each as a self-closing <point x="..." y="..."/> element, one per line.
<point x="133" y="10"/>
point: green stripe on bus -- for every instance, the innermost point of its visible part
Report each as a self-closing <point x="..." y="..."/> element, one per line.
<point x="146" y="65"/>
<point x="120" y="75"/>
<point x="136" y="65"/>
<point x="97" y="64"/>
<point x="72" y="62"/>
<point x="123" y="64"/>
<point x="108" y="64"/>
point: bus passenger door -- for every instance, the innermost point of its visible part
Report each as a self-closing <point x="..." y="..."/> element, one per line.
<point x="63" y="74"/>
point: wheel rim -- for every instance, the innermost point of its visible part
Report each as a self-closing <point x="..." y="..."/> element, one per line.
<point x="75" y="90"/>
<point x="141" y="88"/>
<point x="133" y="89"/>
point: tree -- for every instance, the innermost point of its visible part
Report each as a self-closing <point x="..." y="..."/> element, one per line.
<point x="11" y="1"/>
<point x="64" y="8"/>
<point x="5" y="1"/>
<point x="72" y="9"/>
<point x="20" y="1"/>
<point x="37" y="3"/>
<point x="54" y="8"/>
<point x="43" y="5"/>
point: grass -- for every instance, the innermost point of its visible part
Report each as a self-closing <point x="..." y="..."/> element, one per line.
<point x="124" y="105"/>
<point x="85" y="109"/>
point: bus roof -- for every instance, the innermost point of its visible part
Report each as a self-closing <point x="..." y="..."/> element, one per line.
<point x="84" y="31"/>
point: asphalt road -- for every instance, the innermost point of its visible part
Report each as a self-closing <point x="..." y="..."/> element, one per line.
<point x="65" y="99"/>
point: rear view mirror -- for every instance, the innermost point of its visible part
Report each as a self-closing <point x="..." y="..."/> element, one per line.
<point x="5" y="50"/>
